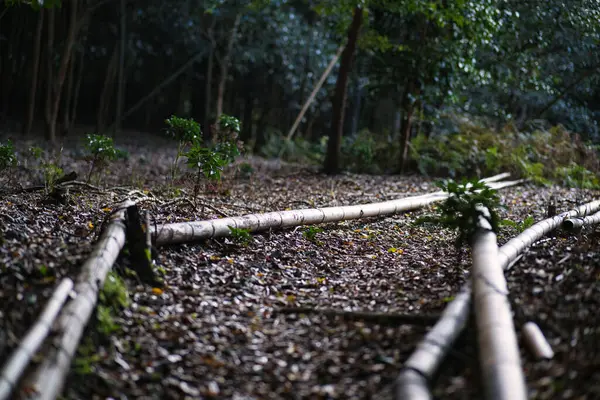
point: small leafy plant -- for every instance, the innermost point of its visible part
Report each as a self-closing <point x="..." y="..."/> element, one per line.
<point x="461" y="210"/>
<point x="519" y="226"/>
<point x="228" y="130"/>
<point x="50" y="167"/>
<point x="102" y="150"/>
<point x="240" y="236"/>
<point x="187" y="132"/>
<point x="206" y="162"/>
<point x="113" y="298"/>
<point x="8" y="159"/>
<point x="311" y="232"/>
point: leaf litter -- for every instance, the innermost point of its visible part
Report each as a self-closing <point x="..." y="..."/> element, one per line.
<point x="215" y="330"/>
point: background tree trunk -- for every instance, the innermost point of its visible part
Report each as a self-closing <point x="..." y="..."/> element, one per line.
<point x="332" y="158"/>
<point x="62" y="71"/>
<point x="225" y="65"/>
<point x="37" y="44"/>
<point x="107" y="90"/>
<point x="49" y="70"/>
<point x="121" y="73"/>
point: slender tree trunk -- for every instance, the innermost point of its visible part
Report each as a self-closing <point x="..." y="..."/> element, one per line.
<point x="208" y="80"/>
<point x="247" y="118"/>
<point x="79" y="78"/>
<point x="68" y="98"/>
<point x="332" y="158"/>
<point x="49" y="70"/>
<point x="11" y="70"/>
<point x="358" y="93"/>
<point x="162" y="85"/>
<point x="62" y="71"/>
<point x="261" y="126"/>
<point x="107" y="90"/>
<point x="37" y="44"/>
<point x="121" y="73"/>
<point x="406" y="125"/>
<point x="76" y="92"/>
<point x="225" y="65"/>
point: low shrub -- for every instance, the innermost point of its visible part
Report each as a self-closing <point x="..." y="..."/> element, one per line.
<point x="544" y="156"/>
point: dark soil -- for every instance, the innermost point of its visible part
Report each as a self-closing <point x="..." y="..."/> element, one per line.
<point x="216" y="331"/>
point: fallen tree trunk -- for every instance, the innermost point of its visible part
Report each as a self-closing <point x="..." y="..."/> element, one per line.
<point x="48" y="379"/>
<point x="20" y="357"/>
<point x="499" y="358"/>
<point x="183" y="232"/>
<point x="412" y="382"/>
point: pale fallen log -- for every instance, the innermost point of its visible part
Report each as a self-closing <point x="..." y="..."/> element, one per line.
<point x="499" y="359"/>
<point x="536" y="341"/>
<point x="578" y="222"/>
<point x="48" y="378"/>
<point x="412" y="382"/>
<point x="183" y="232"/>
<point x="20" y="357"/>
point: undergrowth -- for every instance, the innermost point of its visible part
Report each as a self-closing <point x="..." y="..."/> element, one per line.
<point x="543" y="156"/>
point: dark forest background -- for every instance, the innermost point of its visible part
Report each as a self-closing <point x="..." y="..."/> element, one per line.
<point x="415" y="80"/>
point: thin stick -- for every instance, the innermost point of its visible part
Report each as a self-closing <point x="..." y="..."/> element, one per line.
<point x="314" y="93"/>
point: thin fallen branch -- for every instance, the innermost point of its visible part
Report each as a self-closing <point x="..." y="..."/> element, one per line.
<point x="49" y="377"/>
<point x="380" y="318"/>
<point x="182" y="232"/>
<point x="500" y="362"/>
<point x="421" y="366"/>
<point x="19" y="359"/>
<point x="536" y="341"/>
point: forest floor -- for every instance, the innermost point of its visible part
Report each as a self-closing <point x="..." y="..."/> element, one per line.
<point x="216" y="330"/>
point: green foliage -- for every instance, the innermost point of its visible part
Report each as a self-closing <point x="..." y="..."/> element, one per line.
<point x="87" y="356"/>
<point x="229" y="124"/>
<point x="311" y="232"/>
<point x="543" y="156"/>
<point x="298" y="149"/>
<point x="575" y="175"/>
<point x="113" y="297"/>
<point x="206" y="161"/>
<point x="359" y="152"/>
<point x="184" y="130"/>
<point x="240" y="236"/>
<point x="35" y="5"/>
<point x="114" y="293"/>
<point x="462" y="209"/>
<point x="101" y="151"/>
<point x="8" y="158"/>
<point x="227" y="132"/>
<point x="519" y="226"/>
<point x="50" y="167"/>
<point x="245" y="170"/>
<point x="187" y="132"/>
<point x="106" y="323"/>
